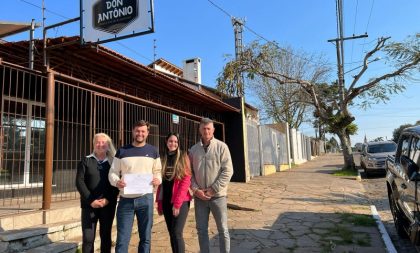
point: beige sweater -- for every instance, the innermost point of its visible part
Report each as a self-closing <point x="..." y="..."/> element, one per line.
<point x="212" y="168"/>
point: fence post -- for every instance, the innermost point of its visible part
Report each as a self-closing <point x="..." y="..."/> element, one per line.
<point x="49" y="143"/>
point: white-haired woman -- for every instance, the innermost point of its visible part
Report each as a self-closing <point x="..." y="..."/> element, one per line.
<point x="98" y="198"/>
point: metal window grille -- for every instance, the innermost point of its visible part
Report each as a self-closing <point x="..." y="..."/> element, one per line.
<point x="79" y="113"/>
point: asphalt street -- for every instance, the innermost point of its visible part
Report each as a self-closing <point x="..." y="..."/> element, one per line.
<point x="375" y="187"/>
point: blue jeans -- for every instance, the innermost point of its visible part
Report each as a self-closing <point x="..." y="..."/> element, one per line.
<point x="218" y="207"/>
<point x="143" y="208"/>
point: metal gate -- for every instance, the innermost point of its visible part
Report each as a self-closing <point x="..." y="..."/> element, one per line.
<point x="254" y="158"/>
<point x="79" y="113"/>
<point x="22" y="138"/>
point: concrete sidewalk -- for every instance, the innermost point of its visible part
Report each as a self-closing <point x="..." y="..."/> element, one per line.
<point x="305" y="209"/>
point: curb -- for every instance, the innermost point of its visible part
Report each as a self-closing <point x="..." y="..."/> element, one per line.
<point x="385" y="236"/>
<point x="358" y="177"/>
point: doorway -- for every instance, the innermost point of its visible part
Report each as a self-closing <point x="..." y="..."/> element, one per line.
<point x="23" y="143"/>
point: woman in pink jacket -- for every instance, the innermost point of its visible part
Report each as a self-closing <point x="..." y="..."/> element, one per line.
<point x="173" y="196"/>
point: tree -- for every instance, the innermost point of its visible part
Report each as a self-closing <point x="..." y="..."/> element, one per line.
<point x="333" y="143"/>
<point x="397" y="131"/>
<point x="379" y="139"/>
<point x="281" y="103"/>
<point x="332" y="110"/>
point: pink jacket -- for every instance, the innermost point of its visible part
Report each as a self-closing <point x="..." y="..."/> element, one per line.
<point x="180" y="193"/>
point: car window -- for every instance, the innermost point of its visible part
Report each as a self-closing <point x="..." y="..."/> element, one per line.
<point x="415" y="151"/>
<point x="381" y="148"/>
<point x="405" y="147"/>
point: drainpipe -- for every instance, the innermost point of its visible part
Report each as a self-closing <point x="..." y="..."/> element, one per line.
<point x="260" y="147"/>
<point x="49" y="143"/>
<point x="31" y="45"/>
<point x="289" y="159"/>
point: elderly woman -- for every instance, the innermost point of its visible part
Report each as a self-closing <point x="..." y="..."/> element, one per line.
<point x="98" y="198"/>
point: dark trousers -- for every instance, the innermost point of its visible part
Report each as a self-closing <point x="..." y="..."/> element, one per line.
<point x="90" y="217"/>
<point x="176" y="225"/>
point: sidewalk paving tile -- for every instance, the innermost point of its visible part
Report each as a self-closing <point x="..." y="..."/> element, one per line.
<point x="297" y="210"/>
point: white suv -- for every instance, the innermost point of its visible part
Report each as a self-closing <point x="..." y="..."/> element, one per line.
<point x="374" y="154"/>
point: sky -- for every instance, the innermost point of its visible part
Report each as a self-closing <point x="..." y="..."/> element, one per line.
<point x="202" y="28"/>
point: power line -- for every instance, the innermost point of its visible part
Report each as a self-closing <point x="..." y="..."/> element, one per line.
<point x="133" y="51"/>
<point x="354" y="30"/>
<point x="367" y="25"/>
<point x="262" y="37"/>
<point x="220" y="8"/>
<point x="370" y="15"/>
<point x="40" y="7"/>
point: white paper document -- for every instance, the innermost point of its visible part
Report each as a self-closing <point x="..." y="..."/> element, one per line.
<point x="138" y="183"/>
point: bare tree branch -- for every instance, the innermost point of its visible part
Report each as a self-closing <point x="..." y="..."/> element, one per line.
<point x="379" y="45"/>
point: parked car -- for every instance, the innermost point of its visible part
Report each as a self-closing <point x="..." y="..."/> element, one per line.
<point x="402" y="180"/>
<point x="358" y="147"/>
<point x="374" y="154"/>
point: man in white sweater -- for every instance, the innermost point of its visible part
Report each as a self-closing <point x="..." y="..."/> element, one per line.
<point x="212" y="170"/>
<point x="141" y="158"/>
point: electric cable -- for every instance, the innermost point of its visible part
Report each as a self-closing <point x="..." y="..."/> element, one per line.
<point x="262" y="37"/>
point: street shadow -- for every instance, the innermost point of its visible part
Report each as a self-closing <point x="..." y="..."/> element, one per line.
<point x="301" y="232"/>
<point x="326" y="171"/>
<point x="372" y="175"/>
<point x="335" y="198"/>
<point x="400" y="243"/>
<point x="338" y="165"/>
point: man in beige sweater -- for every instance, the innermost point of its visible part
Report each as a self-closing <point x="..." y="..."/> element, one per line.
<point x="212" y="169"/>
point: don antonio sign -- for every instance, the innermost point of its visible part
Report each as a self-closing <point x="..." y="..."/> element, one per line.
<point x="105" y="20"/>
<point x="113" y="16"/>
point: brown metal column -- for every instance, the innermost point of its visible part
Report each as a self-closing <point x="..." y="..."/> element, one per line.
<point x="49" y="143"/>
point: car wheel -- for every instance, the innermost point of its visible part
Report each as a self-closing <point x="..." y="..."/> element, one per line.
<point x="365" y="170"/>
<point x="397" y="216"/>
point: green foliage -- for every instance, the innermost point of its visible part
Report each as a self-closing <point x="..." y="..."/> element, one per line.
<point x="227" y="81"/>
<point x="351" y="129"/>
<point x="271" y="64"/>
<point x="346" y="173"/>
<point x="403" y="52"/>
<point x="378" y="139"/>
<point x="403" y="57"/>
<point x="346" y="231"/>
<point x="359" y="219"/>
<point x="397" y="131"/>
<point x="263" y="66"/>
<point x="381" y="93"/>
<point x="333" y="142"/>
<point x="336" y="123"/>
<point x="329" y="94"/>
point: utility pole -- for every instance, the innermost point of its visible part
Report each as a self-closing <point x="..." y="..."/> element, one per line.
<point x="339" y="44"/>
<point x="238" y="29"/>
